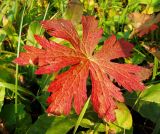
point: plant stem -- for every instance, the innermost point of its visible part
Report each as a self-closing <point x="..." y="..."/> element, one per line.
<point x="18" y="50"/>
<point x="44" y="17"/>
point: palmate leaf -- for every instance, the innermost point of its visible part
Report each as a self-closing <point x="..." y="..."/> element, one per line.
<point x="70" y="86"/>
<point x="144" y="23"/>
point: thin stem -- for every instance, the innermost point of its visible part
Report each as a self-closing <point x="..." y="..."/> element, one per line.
<point x="18" y="50"/>
<point x="44" y="17"/>
<point x="137" y="100"/>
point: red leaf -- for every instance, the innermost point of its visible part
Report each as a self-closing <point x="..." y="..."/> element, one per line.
<point x="145" y="29"/>
<point x="62" y="29"/>
<point x="91" y="34"/>
<point x="144" y="23"/>
<point x="43" y="42"/>
<point x="120" y="48"/>
<point x="68" y="85"/>
<point x="29" y="57"/>
<point x="71" y="85"/>
<point x="104" y="93"/>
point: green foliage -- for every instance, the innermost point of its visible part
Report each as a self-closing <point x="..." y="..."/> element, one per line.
<point x="123" y="124"/>
<point x="51" y="124"/>
<point x="157" y="128"/>
<point x="2" y="95"/>
<point x="62" y="125"/>
<point x="12" y="88"/>
<point x="21" y="119"/>
<point x="147" y="103"/>
<point x="34" y="28"/>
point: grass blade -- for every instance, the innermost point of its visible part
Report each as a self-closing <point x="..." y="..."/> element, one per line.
<point x="12" y="88"/>
<point x="81" y="115"/>
<point x="155" y="68"/>
<point x="18" y="51"/>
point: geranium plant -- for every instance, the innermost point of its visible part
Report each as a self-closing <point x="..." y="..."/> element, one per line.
<point x="70" y="86"/>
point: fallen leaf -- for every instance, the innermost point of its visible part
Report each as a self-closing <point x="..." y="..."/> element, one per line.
<point x="143" y="23"/>
<point x="70" y="86"/>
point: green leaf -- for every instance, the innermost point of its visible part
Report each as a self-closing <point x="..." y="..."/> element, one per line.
<point x="42" y="99"/>
<point x="11" y="32"/>
<point x="124" y="35"/>
<point x="2" y="95"/>
<point x="138" y="55"/>
<point x="2" y="35"/>
<point x="12" y="88"/>
<point x="123" y="115"/>
<point x="147" y="103"/>
<point x="45" y="80"/>
<point x="149" y="2"/>
<point x="7" y="74"/>
<point x="23" y="125"/>
<point x="62" y="125"/>
<point x="157" y="127"/>
<point x="9" y="116"/>
<point x="52" y="124"/>
<point x="34" y="28"/>
<point x="152" y="5"/>
<point x="123" y="121"/>
<point x="137" y="58"/>
<point x="86" y="123"/>
<point x="92" y="115"/>
<point x="99" y="127"/>
<point x="41" y="125"/>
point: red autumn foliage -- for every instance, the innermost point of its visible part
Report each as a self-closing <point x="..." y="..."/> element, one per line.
<point x="144" y="23"/>
<point x="70" y="86"/>
<point x="146" y="29"/>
